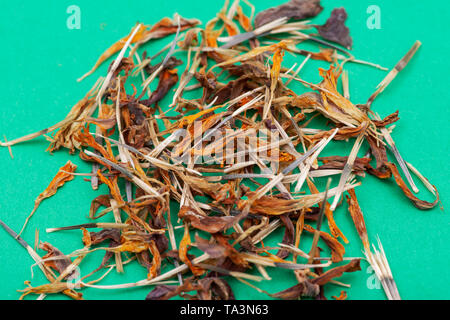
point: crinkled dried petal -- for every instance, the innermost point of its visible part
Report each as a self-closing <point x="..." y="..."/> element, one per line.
<point x="421" y="204"/>
<point x="329" y="275"/>
<point x="335" y="30"/>
<point x="185" y="242"/>
<point x="294" y="9"/>
<point x="337" y="249"/>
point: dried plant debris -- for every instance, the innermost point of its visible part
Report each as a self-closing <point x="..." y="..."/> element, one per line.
<point x="380" y="265"/>
<point x="64" y="175"/>
<point x="239" y="161"/>
<point x="294" y="9"/>
<point x="335" y="30"/>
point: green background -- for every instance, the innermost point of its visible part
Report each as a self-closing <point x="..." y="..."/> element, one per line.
<point x="41" y="60"/>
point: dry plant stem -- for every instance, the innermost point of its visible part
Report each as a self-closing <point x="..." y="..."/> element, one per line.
<point x="232" y="41"/>
<point x="118" y="219"/>
<point x="265" y="232"/>
<point x="249" y="231"/>
<point x="297" y="266"/>
<point x="36" y="206"/>
<point x="169" y="54"/>
<point x="290" y="147"/>
<point x="173" y="241"/>
<point x="275" y="181"/>
<point x="143" y="185"/>
<point x="345" y="85"/>
<point x="348" y="167"/>
<point x="299" y="130"/>
<point x="153" y="160"/>
<point x="422" y="178"/>
<point x="141" y="70"/>
<point x="233" y="8"/>
<point x="162" y="277"/>
<point x="379" y="263"/>
<point x="123" y="153"/>
<point x="187" y="76"/>
<point x="352" y="59"/>
<point x="94" y="176"/>
<point x="296" y="250"/>
<point x="263" y="272"/>
<point x="307" y="154"/>
<point x="95" y="166"/>
<point x="302" y="36"/>
<point x="37" y="134"/>
<point x="36" y="239"/>
<point x="307" y="256"/>
<point x="48" y="273"/>
<point x="312" y="252"/>
<point x="396" y="152"/>
<point x="300" y="67"/>
<point x="9" y="148"/>
<point x="303" y="175"/>
<point x="105" y="225"/>
<point x="254" y="287"/>
<point x="115" y="65"/>
<point x="394" y="72"/>
<point x="69" y="119"/>
<point x="239" y="166"/>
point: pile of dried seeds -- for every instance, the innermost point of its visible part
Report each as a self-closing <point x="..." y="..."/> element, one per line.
<point x="240" y="161"/>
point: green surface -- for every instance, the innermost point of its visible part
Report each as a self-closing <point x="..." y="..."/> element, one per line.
<point x="41" y="60"/>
